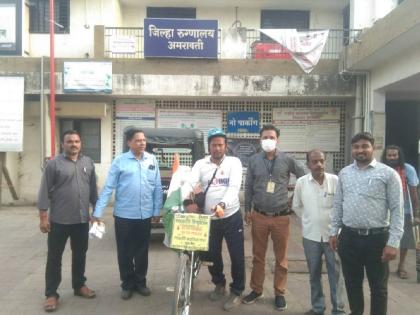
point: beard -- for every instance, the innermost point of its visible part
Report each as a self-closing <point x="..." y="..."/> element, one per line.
<point x="392" y="163"/>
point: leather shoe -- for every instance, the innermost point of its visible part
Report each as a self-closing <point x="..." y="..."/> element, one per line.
<point x="126" y="294"/>
<point x="145" y="291"/>
<point x="85" y="292"/>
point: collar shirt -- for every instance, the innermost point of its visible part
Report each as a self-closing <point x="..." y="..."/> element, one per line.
<point x="313" y="203"/>
<point x="67" y="188"/>
<point x="258" y="176"/>
<point x="225" y="186"/>
<point x="137" y="184"/>
<point x="367" y="198"/>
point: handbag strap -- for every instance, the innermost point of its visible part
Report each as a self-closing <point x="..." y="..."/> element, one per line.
<point x="211" y="180"/>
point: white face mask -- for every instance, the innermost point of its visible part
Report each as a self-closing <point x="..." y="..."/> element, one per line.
<point x="268" y="145"/>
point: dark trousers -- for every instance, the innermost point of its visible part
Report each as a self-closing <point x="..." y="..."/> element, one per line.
<point x="230" y="228"/>
<point x="132" y="236"/>
<point x="359" y="253"/>
<point x="57" y="239"/>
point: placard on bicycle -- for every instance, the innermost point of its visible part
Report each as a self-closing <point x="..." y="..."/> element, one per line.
<point x="190" y="231"/>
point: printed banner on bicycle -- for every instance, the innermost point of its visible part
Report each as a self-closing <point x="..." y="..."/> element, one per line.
<point x="190" y="231"/>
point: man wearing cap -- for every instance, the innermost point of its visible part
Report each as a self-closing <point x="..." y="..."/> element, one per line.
<point x="220" y="177"/>
<point x="266" y="186"/>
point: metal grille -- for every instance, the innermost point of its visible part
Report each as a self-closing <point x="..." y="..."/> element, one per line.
<point x="39" y="16"/>
<point x="265" y="108"/>
<point x="257" y="49"/>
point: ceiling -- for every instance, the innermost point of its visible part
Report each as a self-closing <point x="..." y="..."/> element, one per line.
<point x="265" y="4"/>
<point x="408" y="89"/>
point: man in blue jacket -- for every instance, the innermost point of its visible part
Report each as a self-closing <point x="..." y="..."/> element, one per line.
<point x="138" y="199"/>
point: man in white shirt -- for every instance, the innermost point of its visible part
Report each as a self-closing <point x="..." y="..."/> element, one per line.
<point x="220" y="177"/>
<point x="313" y="202"/>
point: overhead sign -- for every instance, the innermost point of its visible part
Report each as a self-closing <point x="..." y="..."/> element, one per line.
<point x="180" y="38"/>
<point x="11" y="114"/>
<point x="87" y="76"/>
<point x="243" y="122"/>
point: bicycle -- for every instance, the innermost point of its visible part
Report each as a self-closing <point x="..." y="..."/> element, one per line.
<point x="189" y="264"/>
<point x="188" y="268"/>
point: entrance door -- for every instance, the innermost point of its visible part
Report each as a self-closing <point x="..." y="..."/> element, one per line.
<point x="403" y="128"/>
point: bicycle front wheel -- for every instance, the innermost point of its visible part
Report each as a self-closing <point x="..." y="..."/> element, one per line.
<point x="181" y="305"/>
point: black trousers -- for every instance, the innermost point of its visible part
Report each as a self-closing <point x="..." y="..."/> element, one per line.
<point x="132" y="236"/>
<point x="359" y="253"/>
<point x="231" y="229"/>
<point x="57" y="239"/>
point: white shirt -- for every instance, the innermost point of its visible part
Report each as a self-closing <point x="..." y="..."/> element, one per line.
<point x="225" y="185"/>
<point x="313" y="203"/>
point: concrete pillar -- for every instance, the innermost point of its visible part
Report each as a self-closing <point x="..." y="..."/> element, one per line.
<point x="99" y="41"/>
<point x="377" y="120"/>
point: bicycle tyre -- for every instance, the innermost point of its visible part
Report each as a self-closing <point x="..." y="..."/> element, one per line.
<point x="181" y="303"/>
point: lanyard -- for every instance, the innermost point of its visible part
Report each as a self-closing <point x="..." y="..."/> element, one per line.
<point x="271" y="167"/>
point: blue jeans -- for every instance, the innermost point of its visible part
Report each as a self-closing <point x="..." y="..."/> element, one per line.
<point x="313" y="252"/>
<point x="232" y="230"/>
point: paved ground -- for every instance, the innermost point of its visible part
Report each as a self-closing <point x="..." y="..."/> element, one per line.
<point x="23" y="255"/>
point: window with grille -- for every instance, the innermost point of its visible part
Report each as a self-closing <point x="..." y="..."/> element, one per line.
<point x="90" y="131"/>
<point x="39" y="16"/>
<point x="283" y="19"/>
<point x="171" y="12"/>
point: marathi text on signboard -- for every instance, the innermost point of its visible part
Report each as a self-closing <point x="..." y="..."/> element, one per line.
<point x="123" y="44"/>
<point x="11" y="114"/>
<point x="303" y="129"/>
<point x="243" y="122"/>
<point x="190" y="231"/>
<point x="87" y="76"/>
<point x="180" y="38"/>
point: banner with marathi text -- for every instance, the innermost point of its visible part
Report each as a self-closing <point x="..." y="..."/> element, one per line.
<point x="305" y="47"/>
<point x="180" y="38"/>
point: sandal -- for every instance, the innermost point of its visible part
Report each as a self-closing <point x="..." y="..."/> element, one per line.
<point x="50" y="304"/>
<point x="402" y="274"/>
<point x="85" y="292"/>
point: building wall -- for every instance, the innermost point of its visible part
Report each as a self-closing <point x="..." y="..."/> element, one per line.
<point x="79" y="42"/>
<point x="363" y="13"/>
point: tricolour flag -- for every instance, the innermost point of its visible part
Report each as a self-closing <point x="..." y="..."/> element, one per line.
<point x="179" y="189"/>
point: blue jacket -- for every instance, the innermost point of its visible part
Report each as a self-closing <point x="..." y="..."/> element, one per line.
<point x="137" y="184"/>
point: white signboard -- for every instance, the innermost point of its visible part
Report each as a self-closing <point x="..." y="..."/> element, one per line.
<point x="132" y="112"/>
<point x="203" y="120"/>
<point x="11" y="114"/>
<point x="87" y="76"/>
<point x="123" y="44"/>
<point x="8" y="23"/>
<point x="303" y="129"/>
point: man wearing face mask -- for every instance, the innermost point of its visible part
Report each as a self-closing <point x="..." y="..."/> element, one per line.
<point x="266" y="185"/>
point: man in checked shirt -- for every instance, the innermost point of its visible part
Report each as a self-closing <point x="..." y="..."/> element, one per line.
<point x="368" y="208"/>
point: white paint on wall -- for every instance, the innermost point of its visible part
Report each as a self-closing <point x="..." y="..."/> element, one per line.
<point x="391" y="72"/>
<point x="364" y="13"/>
<point x="85" y="14"/>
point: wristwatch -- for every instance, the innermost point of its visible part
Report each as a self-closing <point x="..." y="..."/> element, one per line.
<point x="222" y="204"/>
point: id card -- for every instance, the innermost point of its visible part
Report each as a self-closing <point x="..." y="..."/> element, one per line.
<point x="270" y="187"/>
